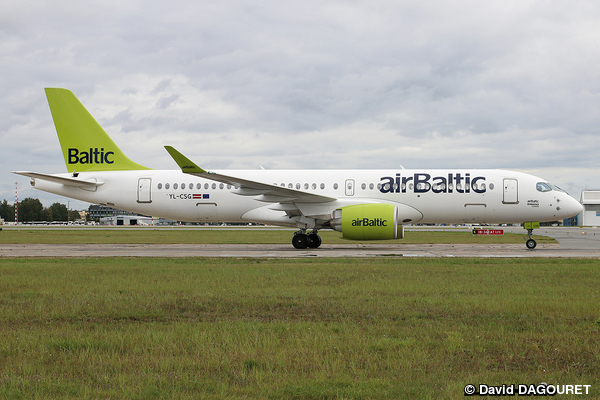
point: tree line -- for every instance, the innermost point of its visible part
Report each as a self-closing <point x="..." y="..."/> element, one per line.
<point x="30" y="210"/>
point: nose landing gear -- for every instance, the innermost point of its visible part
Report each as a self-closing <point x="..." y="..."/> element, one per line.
<point x="530" y="226"/>
<point x="301" y="240"/>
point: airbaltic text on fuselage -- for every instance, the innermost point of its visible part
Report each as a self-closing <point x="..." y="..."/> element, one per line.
<point x="94" y="156"/>
<point x="423" y="183"/>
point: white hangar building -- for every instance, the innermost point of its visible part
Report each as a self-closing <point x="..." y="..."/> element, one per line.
<point x="590" y="199"/>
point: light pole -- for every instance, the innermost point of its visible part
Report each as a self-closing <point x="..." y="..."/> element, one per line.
<point x="16" y="198"/>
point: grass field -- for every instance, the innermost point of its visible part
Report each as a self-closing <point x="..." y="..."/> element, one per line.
<point x="198" y="236"/>
<point x="389" y="328"/>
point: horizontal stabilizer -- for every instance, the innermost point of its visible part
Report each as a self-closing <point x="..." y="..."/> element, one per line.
<point x="59" y="179"/>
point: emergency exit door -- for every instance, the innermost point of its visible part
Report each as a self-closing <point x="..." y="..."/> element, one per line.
<point x="144" y="189"/>
<point x="349" y="187"/>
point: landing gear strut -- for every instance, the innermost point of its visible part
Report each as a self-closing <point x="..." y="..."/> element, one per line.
<point x="302" y="241"/>
<point x="530" y="226"/>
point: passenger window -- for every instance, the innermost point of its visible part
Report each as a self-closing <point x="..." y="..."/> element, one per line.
<point x="371" y="186"/>
<point x="206" y="186"/>
<point x="363" y="186"/>
<point x="297" y="186"/>
<point x="198" y="186"/>
<point x="159" y="186"/>
<point x="322" y="186"/>
<point x="167" y="185"/>
<point x="175" y="186"/>
<point x="314" y="186"/>
<point x="335" y="186"/>
<point x="221" y="186"/>
<point x="214" y="186"/>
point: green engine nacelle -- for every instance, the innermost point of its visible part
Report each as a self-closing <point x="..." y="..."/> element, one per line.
<point x="368" y="222"/>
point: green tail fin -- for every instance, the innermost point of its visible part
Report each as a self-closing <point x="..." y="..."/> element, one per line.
<point x="85" y="145"/>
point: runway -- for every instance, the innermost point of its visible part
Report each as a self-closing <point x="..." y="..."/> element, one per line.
<point x="573" y="243"/>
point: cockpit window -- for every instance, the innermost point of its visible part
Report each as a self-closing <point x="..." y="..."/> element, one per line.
<point x="546" y="187"/>
<point x="556" y="188"/>
<point x="543" y="187"/>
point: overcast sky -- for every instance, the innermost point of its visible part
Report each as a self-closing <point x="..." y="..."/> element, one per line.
<point x="309" y="84"/>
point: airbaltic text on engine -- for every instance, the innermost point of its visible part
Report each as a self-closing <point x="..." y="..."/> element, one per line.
<point x="369" y="222"/>
<point x="423" y="183"/>
<point x="94" y="156"/>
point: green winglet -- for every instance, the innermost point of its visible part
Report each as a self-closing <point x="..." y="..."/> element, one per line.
<point x="186" y="165"/>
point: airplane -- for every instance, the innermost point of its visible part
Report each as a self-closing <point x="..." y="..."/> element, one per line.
<point x="361" y="204"/>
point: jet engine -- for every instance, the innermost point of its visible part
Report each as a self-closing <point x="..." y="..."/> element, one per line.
<point x="372" y="221"/>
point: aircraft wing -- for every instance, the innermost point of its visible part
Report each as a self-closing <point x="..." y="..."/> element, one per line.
<point x="59" y="179"/>
<point x="265" y="192"/>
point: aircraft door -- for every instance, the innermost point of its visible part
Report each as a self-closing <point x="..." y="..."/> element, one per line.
<point x="144" y="190"/>
<point x="511" y="191"/>
<point x="349" y="187"/>
<point x="207" y="212"/>
<point x="475" y="212"/>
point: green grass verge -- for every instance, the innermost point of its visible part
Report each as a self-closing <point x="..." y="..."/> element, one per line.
<point x="202" y="236"/>
<point x="131" y="328"/>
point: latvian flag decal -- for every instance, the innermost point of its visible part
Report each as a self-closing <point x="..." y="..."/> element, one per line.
<point x="200" y="196"/>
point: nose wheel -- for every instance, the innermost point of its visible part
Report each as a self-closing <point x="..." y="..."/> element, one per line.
<point x="530" y="226"/>
<point x="301" y="240"/>
<point x="530" y="243"/>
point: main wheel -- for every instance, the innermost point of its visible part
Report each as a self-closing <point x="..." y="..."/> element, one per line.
<point x="531" y="244"/>
<point x="300" y="241"/>
<point x="314" y="240"/>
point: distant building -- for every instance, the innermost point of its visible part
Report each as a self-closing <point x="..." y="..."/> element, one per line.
<point x="97" y="212"/>
<point x="126" y="220"/>
<point x="590" y="199"/>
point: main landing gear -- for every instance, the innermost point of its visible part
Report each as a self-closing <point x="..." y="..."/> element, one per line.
<point x="301" y="240"/>
<point x="530" y="226"/>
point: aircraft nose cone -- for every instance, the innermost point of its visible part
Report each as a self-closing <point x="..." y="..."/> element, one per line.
<point x="572" y="207"/>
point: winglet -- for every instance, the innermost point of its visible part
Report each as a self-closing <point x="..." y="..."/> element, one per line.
<point x="186" y="165"/>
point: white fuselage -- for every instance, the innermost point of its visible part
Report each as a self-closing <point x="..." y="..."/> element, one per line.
<point x="428" y="196"/>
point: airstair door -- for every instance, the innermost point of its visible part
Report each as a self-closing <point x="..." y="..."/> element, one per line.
<point x="144" y="189"/>
<point x="511" y="191"/>
<point x="349" y="187"/>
